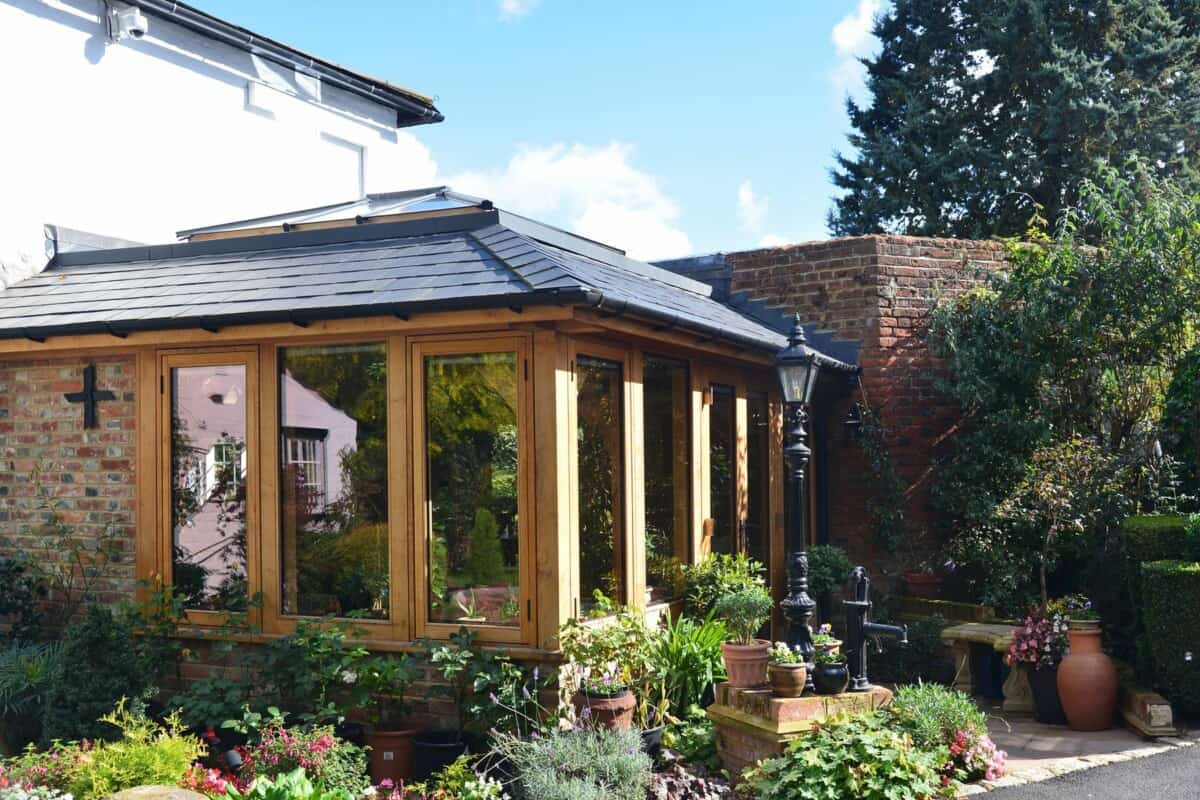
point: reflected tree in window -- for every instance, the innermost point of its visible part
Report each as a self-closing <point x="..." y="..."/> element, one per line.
<point x="667" y="471"/>
<point x="600" y="480"/>
<point x="722" y="440"/>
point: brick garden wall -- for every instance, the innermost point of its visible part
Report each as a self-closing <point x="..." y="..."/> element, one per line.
<point x="47" y="457"/>
<point x="879" y="290"/>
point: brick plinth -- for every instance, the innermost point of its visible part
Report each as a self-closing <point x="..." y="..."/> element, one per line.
<point x="753" y="724"/>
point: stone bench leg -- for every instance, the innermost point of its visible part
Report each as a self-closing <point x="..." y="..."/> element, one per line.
<point x="963" y="680"/>
<point x="1018" y="697"/>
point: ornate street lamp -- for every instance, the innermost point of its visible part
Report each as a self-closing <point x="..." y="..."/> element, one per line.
<point x="797" y="368"/>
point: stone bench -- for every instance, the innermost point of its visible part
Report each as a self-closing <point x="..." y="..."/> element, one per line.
<point x="1018" y="698"/>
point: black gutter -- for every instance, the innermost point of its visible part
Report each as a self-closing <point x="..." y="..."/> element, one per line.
<point x="418" y="113"/>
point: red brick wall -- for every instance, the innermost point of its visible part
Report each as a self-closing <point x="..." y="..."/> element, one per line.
<point x="86" y="474"/>
<point x="879" y="290"/>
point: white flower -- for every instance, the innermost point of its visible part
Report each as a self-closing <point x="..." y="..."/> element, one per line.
<point x="349" y="678"/>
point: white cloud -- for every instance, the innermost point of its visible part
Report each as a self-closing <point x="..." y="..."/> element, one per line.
<point x="594" y="191"/>
<point x="511" y="9"/>
<point x="852" y="39"/>
<point x="752" y="209"/>
<point x="773" y="240"/>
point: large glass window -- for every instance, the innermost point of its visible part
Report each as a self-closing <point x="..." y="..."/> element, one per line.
<point x="667" y="462"/>
<point x="722" y="477"/>
<point x="471" y="440"/>
<point x="599" y="435"/>
<point x="758" y="472"/>
<point x="208" y="486"/>
<point x="333" y="480"/>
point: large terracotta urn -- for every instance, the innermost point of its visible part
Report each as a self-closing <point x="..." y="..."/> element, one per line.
<point x="1087" y="680"/>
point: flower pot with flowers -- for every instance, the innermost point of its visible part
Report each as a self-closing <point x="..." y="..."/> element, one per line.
<point x="1087" y="679"/>
<point x="786" y="671"/>
<point x="831" y="675"/>
<point x="823" y="639"/>
<point x="386" y="679"/>
<point x="746" y="656"/>
<point x="1037" y="647"/>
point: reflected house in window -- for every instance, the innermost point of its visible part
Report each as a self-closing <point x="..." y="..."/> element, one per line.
<point x="312" y="433"/>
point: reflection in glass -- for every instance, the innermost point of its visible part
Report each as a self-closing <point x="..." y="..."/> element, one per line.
<point x="668" y="464"/>
<point x="758" y="479"/>
<point x="208" y="486"/>
<point x="722" y="440"/>
<point x="333" y="479"/>
<point x="471" y="443"/>
<point x="601" y="496"/>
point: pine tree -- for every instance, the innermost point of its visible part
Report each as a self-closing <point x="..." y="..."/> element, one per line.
<point x="983" y="112"/>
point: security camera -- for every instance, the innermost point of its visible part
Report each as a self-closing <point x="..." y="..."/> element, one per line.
<point x="126" y="22"/>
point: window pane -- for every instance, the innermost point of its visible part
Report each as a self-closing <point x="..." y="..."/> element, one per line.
<point x="471" y="435"/>
<point x="601" y="488"/>
<point x="722" y="440"/>
<point x="758" y="526"/>
<point x="208" y="486"/>
<point x="668" y="468"/>
<point x="333" y="479"/>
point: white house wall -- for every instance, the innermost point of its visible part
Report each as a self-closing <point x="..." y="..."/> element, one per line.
<point x="140" y="138"/>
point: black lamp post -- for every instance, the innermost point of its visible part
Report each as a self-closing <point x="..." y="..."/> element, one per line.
<point x="797" y="367"/>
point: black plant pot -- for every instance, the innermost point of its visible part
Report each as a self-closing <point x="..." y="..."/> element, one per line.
<point x="652" y="741"/>
<point x="353" y="732"/>
<point x="435" y="750"/>
<point x="831" y="678"/>
<point x="1047" y="708"/>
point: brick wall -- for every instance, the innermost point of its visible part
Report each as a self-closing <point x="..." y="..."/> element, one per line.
<point x="879" y="290"/>
<point x="47" y="457"/>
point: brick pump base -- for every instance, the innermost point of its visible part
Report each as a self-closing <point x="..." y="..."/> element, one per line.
<point x="753" y="724"/>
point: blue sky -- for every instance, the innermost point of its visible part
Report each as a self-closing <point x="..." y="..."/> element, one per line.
<point x="665" y="127"/>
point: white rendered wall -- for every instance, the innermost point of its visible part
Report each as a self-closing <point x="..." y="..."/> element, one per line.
<point x="141" y="138"/>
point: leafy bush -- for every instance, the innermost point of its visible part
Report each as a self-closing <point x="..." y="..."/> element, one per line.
<point x="694" y="737"/>
<point x="20" y="591"/>
<point x="688" y="654"/>
<point x="829" y="763"/>
<point x="594" y="764"/>
<point x="933" y="714"/>
<point x="25" y="672"/>
<point x="146" y="753"/>
<point x="101" y="662"/>
<point x="1170" y="594"/>
<point x="744" y="612"/>
<point x="489" y="691"/>
<point x="294" y="785"/>
<point x="828" y="569"/>
<point x="333" y="763"/>
<point x="714" y="577"/>
<point x="485" y="562"/>
<point x="1161" y="537"/>
<point x="1181" y="419"/>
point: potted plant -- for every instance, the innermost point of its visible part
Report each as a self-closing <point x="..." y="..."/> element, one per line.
<point x="390" y="741"/>
<point x="824" y="639"/>
<point x="453" y="662"/>
<point x="611" y="661"/>
<point x="744" y="613"/>
<point x="1037" y="647"/>
<point x="830" y="673"/>
<point x="786" y="671"/>
<point x="1087" y="679"/>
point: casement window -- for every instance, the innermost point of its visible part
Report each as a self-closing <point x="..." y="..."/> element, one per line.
<point x="666" y="474"/>
<point x="723" y="469"/>
<point x="758" y="478"/>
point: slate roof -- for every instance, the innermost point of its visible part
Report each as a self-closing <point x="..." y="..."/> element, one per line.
<point x="466" y="259"/>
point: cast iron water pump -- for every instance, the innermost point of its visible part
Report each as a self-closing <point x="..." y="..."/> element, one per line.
<point x="858" y="628"/>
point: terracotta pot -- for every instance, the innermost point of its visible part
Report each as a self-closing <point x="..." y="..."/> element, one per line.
<point x="390" y="754"/>
<point x="831" y="678"/>
<point x="1087" y="680"/>
<point x="613" y="712"/>
<point x="746" y="664"/>
<point x="923" y="584"/>
<point x="787" y="680"/>
<point x="1047" y="708"/>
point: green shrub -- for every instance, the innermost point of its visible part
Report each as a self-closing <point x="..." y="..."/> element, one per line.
<point x="1180" y="422"/>
<point x="744" y="612"/>
<point x="860" y="757"/>
<point x="25" y="672"/>
<point x="592" y="764"/>
<point x="694" y="737"/>
<point x="1161" y="537"/>
<point x="101" y="662"/>
<point x="688" y="655"/>
<point x="1170" y="596"/>
<point x="294" y="785"/>
<point x="146" y="753"/>
<point x="333" y="763"/>
<point x="933" y="714"/>
<point x="716" y="576"/>
<point x="485" y="562"/>
<point x="828" y="569"/>
<point x="20" y="591"/>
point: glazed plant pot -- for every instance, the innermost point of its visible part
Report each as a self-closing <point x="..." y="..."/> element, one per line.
<point x="390" y="754"/>
<point x="614" y="712"/>
<point x="831" y="678"/>
<point x="435" y="750"/>
<point x="1047" y="708"/>
<point x="787" y="680"/>
<point x="1087" y="680"/>
<point x="746" y="664"/>
<point x="652" y="741"/>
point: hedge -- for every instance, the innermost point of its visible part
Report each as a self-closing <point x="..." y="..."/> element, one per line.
<point x="1161" y="537"/>
<point x="1170" y="599"/>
